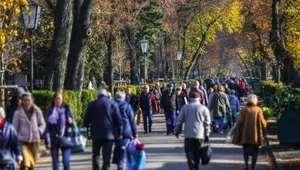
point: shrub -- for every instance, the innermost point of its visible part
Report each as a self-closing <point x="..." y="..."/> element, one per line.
<point x="268" y="112"/>
<point x="86" y="97"/>
<point x="42" y="99"/>
<point x="73" y="99"/>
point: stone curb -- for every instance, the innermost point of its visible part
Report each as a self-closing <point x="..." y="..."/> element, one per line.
<point x="275" y="155"/>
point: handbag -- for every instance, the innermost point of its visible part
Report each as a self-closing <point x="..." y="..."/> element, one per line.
<point x="66" y="142"/>
<point x="237" y="136"/>
<point x="205" y="153"/>
<point x="5" y="157"/>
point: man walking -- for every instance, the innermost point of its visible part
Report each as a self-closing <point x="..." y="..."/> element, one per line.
<point x="132" y="100"/>
<point x="168" y="104"/>
<point x="103" y="118"/>
<point x="197" y="129"/>
<point x="157" y="93"/>
<point x="147" y="103"/>
<point x="195" y="89"/>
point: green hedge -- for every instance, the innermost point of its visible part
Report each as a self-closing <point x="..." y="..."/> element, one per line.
<point x="79" y="103"/>
<point x="280" y="97"/>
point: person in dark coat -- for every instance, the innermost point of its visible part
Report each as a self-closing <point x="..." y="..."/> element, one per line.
<point x="13" y="104"/>
<point x="158" y="94"/>
<point x="234" y="106"/>
<point x="104" y="120"/>
<point x="59" y="122"/>
<point x="129" y="130"/>
<point x="236" y="87"/>
<point x="180" y="99"/>
<point x="132" y="100"/>
<point x="168" y="104"/>
<point x="148" y="105"/>
<point x="9" y="141"/>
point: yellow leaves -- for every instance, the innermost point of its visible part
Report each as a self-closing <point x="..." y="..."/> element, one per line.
<point x="233" y="19"/>
<point x="17" y="10"/>
<point x="26" y="40"/>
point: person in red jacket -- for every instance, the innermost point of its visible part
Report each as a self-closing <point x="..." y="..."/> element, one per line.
<point x="195" y="89"/>
<point x="148" y="105"/>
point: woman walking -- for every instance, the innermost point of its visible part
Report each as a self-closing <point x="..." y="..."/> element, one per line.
<point x="59" y="120"/>
<point x="9" y="143"/>
<point x="251" y="123"/>
<point x="29" y="123"/>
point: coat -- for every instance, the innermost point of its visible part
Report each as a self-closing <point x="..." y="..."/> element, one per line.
<point x="29" y="130"/>
<point x="168" y="101"/>
<point x="251" y="121"/>
<point x="200" y="92"/>
<point x="52" y="130"/>
<point x="103" y="118"/>
<point x="10" y="140"/>
<point x="129" y="126"/>
<point x="219" y="104"/>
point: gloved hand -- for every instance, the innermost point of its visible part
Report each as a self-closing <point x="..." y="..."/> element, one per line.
<point x="206" y="139"/>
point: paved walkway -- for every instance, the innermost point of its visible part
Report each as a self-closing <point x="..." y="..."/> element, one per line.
<point x="167" y="152"/>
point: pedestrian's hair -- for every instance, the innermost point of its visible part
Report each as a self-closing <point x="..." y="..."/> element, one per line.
<point x="196" y="83"/>
<point x="232" y="92"/>
<point x="102" y="92"/>
<point x="220" y="88"/>
<point x="53" y="98"/>
<point x="2" y="113"/>
<point x="128" y="87"/>
<point x="27" y="94"/>
<point x="120" y="95"/>
<point x="252" y="98"/>
<point x="215" y="87"/>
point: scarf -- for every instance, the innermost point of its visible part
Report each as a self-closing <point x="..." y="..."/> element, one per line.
<point x="2" y="123"/>
<point x="250" y="104"/>
<point x="58" y="116"/>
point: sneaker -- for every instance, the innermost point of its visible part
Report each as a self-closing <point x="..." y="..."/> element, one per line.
<point x="221" y="132"/>
<point x="145" y="133"/>
<point x="217" y="129"/>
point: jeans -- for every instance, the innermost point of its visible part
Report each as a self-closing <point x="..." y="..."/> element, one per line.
<point x="170" y="116"/>
<point x="219" y="121"/>
<point x="66" y="154"/>
<point x="192" y="148"/>
<point x="106" y="146"/>
<point x="122" y="152"/>
<point x="147" y="114"/>
<point x="11" y="166"/>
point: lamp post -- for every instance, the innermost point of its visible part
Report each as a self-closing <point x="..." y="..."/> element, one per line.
<point x="144" y="47"/>
<point x="179" y="57"/>
<point x="31" y="17"/>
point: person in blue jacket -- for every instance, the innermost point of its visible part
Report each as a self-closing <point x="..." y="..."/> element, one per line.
<point x="129" y="129"/>
<point x="234" y="106"/>
<point x="104" y="120"/>
<point x="9" y="143"/>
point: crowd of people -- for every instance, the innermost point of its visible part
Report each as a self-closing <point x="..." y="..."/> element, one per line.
<point x="198" y="108"/>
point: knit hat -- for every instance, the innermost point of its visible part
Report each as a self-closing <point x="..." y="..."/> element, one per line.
<point x="18" y="92"/>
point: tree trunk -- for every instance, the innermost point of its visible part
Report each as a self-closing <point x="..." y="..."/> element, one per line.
<point x="75" y="71"/>
<point x="129" y="33"/>
<point x="110" y="74"/>
<point x="63" y="23"/>
<point x="2" y="68"/>
<point x="288" y="72"/>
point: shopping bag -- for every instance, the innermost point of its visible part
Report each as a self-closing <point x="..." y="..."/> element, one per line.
<point x="136" y="156"/>
<point x="205" y="153"/>
<point x="230" y="133"/>
<point x="80" y="139"/>
<point x="136" y="160"/>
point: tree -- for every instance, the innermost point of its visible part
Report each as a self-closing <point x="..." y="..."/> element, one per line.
<point x="11" y="41"/>
<point x="205" y="26"/>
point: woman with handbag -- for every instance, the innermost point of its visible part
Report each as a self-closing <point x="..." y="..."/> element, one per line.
<point x="9" y="144"/>
<point x="29" y="123"/>
<point x="250" y="130"/>
<point x="59" y="120"/>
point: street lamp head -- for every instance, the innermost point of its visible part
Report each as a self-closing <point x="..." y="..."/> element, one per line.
<point x="31" y="16"/>
<point x="179" y="55"/>
<point x="144" y="45"/>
